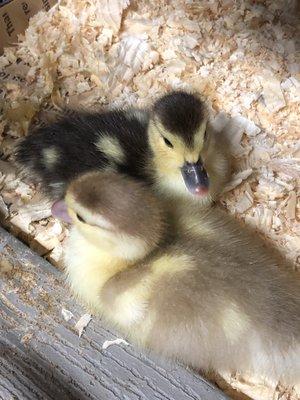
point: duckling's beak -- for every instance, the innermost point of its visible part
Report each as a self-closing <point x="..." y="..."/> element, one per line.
<point x="195" y="178"/>
<point x="59" y="210"/>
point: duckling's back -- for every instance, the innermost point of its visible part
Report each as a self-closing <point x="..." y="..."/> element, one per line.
<point x="214" y="304"/>
<point x="229" y="301"/>
<point x="56" y="154"/>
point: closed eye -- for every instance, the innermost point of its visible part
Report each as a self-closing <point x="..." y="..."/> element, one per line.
<point x="80" y="218"/>
<point x="168" y="143"/>
<point x="205" y="135"/>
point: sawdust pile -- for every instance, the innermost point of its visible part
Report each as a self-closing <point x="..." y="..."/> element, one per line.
<point x="242" y="55"/>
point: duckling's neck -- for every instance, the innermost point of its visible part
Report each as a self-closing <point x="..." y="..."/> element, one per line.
<point x="89" y="267"/>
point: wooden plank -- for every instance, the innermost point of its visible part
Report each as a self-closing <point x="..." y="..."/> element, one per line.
<point x="42" y="357"/>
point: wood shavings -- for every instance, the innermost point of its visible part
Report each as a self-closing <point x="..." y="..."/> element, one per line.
<point x="55" y="228"/>
<point x="48" y="236"/>
<point x="55" y="256"/>
<point x="35" y="211"/>
<point x="248" y="126"/>
<point x="269" y="189"/>
<point x="3" y="208"/>
<point x="111" y="13"/>
<point x="44" y="242"/>
<point x="233" y="129"/>
<point x="21" y="223"/>
<point x="130" y="56"/>
<point x="5" y="266"/>
<point x="256" y="389"/>
<point x="23" y="191"/>
<point x="109" y="343"/>
<point x="248" y="99"/>
<point x="22" y="112"/>
<point x="82" y="323"/>
<point x="289" y="166"/>
<point x="287" y="84"/>
<point x="272" y="94"/>
<point x="291" y="206"/>
<point x="67" y="315"/>
<point x="293" y="244"/>
<point x="90" y="54"/>
<point x="244" y="203"/>
<point x="263" y="217"/>
<point x="292" y="89"/>
<point x="237" y="179"/>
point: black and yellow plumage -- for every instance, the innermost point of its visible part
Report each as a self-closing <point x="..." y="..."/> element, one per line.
<point x="170" y="145"/>
<point x="58" y="153"/>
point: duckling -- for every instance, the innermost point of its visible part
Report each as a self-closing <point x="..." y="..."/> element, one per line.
<point x="212" y="296"/>
<point x="188" y="156"/>
<point x="171" y="145"/>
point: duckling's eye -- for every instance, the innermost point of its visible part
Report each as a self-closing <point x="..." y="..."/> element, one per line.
<point x="168" y="143"/>
<point x="80" y="218"/>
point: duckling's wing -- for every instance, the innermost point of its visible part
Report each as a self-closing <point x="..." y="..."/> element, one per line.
<point x="56" y="154"/>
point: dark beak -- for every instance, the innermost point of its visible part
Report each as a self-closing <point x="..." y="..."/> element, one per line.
<point x="195" y="178"/>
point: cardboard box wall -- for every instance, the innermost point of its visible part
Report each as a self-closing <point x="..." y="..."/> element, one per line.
<point x="14" y="17"/>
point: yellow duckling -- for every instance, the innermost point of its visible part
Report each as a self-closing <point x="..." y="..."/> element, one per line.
<point x="209" y="294"/>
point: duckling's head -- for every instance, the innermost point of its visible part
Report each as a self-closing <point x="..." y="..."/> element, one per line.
<point x="115" y="213"/>
<point x="187" y="157"/>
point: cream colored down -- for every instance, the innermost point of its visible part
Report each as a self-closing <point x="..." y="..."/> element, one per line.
<point x="111" y="147"/>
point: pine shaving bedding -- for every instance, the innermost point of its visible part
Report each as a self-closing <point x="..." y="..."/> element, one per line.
<point x="241" y="55"/>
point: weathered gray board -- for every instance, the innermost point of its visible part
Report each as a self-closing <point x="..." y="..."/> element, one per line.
<point x="41" y="356"/>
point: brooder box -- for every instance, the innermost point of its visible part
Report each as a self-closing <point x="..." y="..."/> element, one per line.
<point x="241" y="55"/>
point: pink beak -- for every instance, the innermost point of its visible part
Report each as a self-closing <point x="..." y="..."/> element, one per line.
<point x="59" y="210"/>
